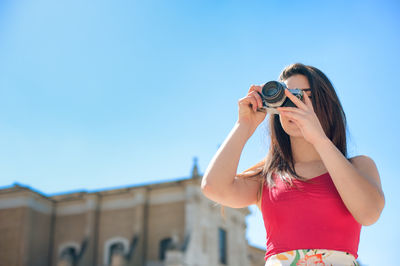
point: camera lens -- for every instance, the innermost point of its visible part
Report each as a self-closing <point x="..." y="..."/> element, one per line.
<point x="273" y="91"/>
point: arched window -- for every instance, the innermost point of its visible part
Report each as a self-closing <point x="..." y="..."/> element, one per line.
<point x="68" y="257"/>
<point x="115" y="251"/>
<point x="117" y="256"/>
<point x="164" y="244"/>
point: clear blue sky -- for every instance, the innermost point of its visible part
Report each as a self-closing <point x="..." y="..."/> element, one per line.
<point x="102" y="94"/>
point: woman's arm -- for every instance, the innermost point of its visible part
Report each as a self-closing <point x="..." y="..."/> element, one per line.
<point x="357" y="182"/>
<point x="218" y="181"/>
<point x="221" y="171"/>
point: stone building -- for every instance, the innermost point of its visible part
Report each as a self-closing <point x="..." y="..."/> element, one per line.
<point x="168" y="223"/>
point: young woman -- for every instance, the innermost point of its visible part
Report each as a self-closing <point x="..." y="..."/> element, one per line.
<point x="313" y="198"/>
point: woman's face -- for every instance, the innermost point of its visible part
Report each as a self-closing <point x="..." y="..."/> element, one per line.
<point x="294" y="82"/>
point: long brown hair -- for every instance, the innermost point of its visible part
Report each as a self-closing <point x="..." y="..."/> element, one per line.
<point x="330" y="114"/>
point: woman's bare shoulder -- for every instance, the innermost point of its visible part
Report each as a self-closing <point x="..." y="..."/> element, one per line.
<point x="363" y="162"/>
<point x="366" y="166"/>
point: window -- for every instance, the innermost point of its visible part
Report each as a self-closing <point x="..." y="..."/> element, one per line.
<point x="116" y="251"/>
<point x="68" y="256"/>
<point x="222" y="245"/>
<point x="117" y="257"/>
<point x="164" y="244"/>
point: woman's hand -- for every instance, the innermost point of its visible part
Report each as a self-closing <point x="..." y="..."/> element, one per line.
<point x="304" y="117"/>
<point x="248" y="105"/>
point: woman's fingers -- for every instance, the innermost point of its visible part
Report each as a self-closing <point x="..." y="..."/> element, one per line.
<point x="292" y="115"/>
<point x="291" y="109"/>
<point x="253" y="103"/>
<point x="250" y="101"/>
<point x="258" y="98"/>
<point x="254" y="93"/>
<point x="254" y="88"/>
<point x="251" y="89"/>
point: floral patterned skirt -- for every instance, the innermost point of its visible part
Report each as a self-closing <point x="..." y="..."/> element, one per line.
<point x="312" y="257"/>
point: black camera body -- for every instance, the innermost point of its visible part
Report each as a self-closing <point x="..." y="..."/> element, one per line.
<point x="273" y="96"/>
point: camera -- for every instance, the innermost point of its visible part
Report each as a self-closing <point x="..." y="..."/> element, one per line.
<point x="273" y="96"/>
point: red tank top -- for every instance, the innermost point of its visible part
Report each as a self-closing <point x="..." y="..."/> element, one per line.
<point x="310" y="217"/>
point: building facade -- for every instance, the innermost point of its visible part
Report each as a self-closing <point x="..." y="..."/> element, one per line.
<point x="169" y="223"/>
